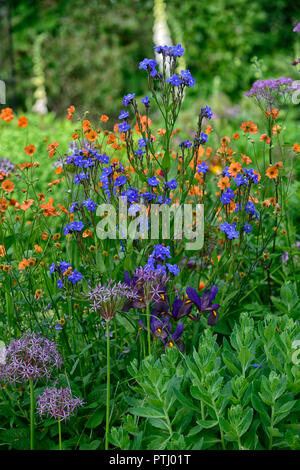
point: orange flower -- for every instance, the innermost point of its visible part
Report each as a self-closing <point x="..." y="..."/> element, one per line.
<point x="30" y="150"/>
<point x="7" y="186"/>
<point x="3" y="204"/>
<point x="22" y="121"/>
<point x="246" y="159"/>
<point x="91" y="136"/>
<point x="75" y="136"/>
<point x="48" y="208"/>
<point x="234" y="168"/>
<point x="104" y="118"/>
<point x="236" y="136"/>
<point x="2" y="251"/>
<point x="296" y="147"/>
<point x="62" y="208"/>
<point x="87" y="233"/>
<point x="249" y="127"/>
<point x="53" y="182"/>
<point x="161" y="131"/>
<point x="208" y="130"/>
<point x="26" y="204"/>
<point x="201" y="285"/>
<point x="265" y="138"/>
<point x="44" y="235"/>
<point x="70" y="110"/>
<point x="52" y="148"/>
<point x="223" y="182"/>
<point x="272" y="172"/>
<point x="86" y="125"/>
<point x="38" y="248"/>
<point x="23" y="264"/>
<point x="59" y="170"/>
<point x="278" y="165"/>
<point x="7" y="114"/>
<point x="276" y="129"/>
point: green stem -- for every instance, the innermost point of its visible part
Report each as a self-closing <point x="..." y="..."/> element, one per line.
<point x="31" y="415"/>
<point x="107" y="384"/>
<point x="148" y="328"/>
<point x="59" y="436"/>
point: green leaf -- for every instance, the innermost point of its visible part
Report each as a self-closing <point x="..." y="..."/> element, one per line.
<point x="147" y="412"/>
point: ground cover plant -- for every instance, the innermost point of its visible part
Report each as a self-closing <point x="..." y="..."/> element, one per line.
<point x="115" y="339"/>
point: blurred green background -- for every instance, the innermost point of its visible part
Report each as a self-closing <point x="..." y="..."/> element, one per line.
<point x="86" y="53"/>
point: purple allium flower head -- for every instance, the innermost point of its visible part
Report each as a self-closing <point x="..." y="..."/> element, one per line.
<point x="30" y="357"/>
<point x="109" y="299"/>
<point x="58" y="403"/>
<point x="147" y="285"/>
<point x="6" y="166"/>
<point x="297" y="28"/>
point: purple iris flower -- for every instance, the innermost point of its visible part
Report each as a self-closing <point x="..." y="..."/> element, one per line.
<point x="205" y="303"/>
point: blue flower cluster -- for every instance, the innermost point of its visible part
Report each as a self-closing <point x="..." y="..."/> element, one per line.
<point x="73" y="227"/>
<point x="227" y="196"/>
<point x="184" y="79"/>
<point x="160" y="254"/>
<point x="230" y="230"/>
<point x="170" y="51"/>
<point x="202" y="168"/>
<point x="61" y="267"/>
<point x="149" y="65"/>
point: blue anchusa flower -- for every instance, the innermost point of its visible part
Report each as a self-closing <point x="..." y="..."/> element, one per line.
<point x="123" y="127"/>
<point x="184" y="79"/>
<point x="171" y="184"/>
<point x="250" y="209"/>
<point x="79" y="178"/>
<point x="230" y="230"/>
<point x="120" y="181"/>
<point x="171" y="51"/>
<point x="90" y="205"/>
<point x="149" y="65"/>
<point x="145" y="101"/>
<point x="123" y="115"/>
<point x="127" y="99"/>
<point x="175" y="80"/>
<point x="205" y="303"/>
<point x="206" y="112"/>
<point x="153" y="181"/>
<point x="202" y="168"/>
<point x="248" y="228"/>
<point x="186" y="144"/>
<point x="73" y="227"/>
<point x="75" y="277"/>
<point x="62" y="269"/>
<point x="227" y="196"/>
<point x="203" y="137"/>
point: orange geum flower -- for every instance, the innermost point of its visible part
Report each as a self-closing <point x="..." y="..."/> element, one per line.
<point x="91" y="136"/>
<point x="104" y="118"/>
<point x="44" y="235"/>
<point x="38" y="248"/>
<point x="234" y="168"/>
<point x="23" y="264"/>
<point x="296" y="147"/>
<point x="30" y="150"/>
<point x="22" y="121"/>
<point x="87" y="233"/>
<point x="276" y="129"/>
<point x="7" y="114"/>
<point x="26" y="204"/>
<point x="249" y="126"/>
<point x="3" y="204"/>
<point x="246" y="159"/>
<point x="48" y="208"/>
<point x="265" y="138"/>
<point x="236" y="136"/>
<point x="7" y="186"/>
<point x="208" y="130"/>
<point x="53" y="182"/>
<point x="59" y="170"/>
<point x="2" y="251"/>
<point x="272" y="172"/>
<point x="86" y="125"/>
<point x="62" y="208"/>
<point x="161" y="131"/>
<point x="223" y="183"/>
<point x="75" y="136"/>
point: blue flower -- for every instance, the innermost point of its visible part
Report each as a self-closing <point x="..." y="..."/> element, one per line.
<point x="145" y="101"/>
<point x="60" y="284"/>
<point x="173" y="269"/>
<point x="207" y="112"/>
<point x="123" y="127"/>
<point x="187" y="78"/>
<point x="75" y="277"/>
<point x="178" y="50"/>
<point x="203" y="137"/>
<point x="153" y="181"/>
<point x="230" y="230"/>
<point x="172" y="184"/>
<point x="90" y="204"/>
<point x="123" y="115"/>
<point x="175" y="80"/>
<point x="248" y="228"/>
<point x="73" y="226"/>
<point x="227" y="196"/>
<point x="120" y="180"/>
<point x="127" y="99"/>
<point x="202" y="168"/>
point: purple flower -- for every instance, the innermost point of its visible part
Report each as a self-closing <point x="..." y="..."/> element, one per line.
<point x="146" y="101"/>
<point x="58" y="403"/>
<point x="109" y="299"/>
<point x="297" y="28"/>
<point x="205" y="303"/>
<point x="230" y="230"/>
<point x="206" y="112"/>
<point x="30" y="357"/>
<point x="248" y="228"/>
<point x="123" y="115"/>
<point x="187" y="78"/>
